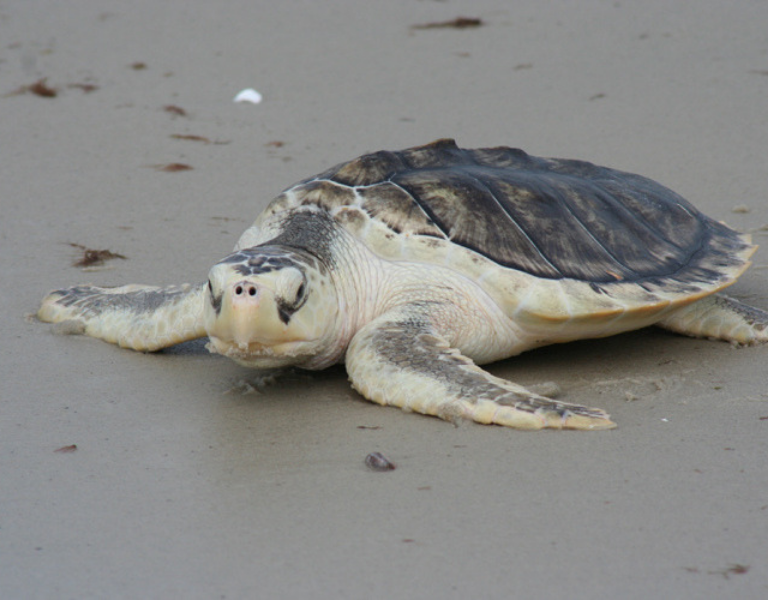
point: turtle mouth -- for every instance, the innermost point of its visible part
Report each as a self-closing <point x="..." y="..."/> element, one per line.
<point x="256" y="354"/>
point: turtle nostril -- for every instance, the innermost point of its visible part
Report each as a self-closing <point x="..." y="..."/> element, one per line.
<point x="246" y="289"/>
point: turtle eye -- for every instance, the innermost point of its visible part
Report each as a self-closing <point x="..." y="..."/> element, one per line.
<point x="215" y="302"/>
<point x="300" y="292"/>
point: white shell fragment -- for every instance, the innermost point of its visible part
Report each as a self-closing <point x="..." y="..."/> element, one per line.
<point x="248" y="95"/>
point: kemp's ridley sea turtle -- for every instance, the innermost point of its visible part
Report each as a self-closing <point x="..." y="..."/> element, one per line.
<point x="413" y="267"/>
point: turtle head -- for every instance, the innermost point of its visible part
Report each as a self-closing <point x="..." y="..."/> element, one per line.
<point x="270" y="307"/>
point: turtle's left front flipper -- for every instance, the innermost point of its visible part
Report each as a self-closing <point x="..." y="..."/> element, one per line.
<point x="133" y="316"/>
<point x="400" y="360"/>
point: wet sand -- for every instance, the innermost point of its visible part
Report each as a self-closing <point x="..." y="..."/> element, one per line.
<point x="181" y="486"/>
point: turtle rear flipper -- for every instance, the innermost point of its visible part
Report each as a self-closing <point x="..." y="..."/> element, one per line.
<point x="399" y="360"/>
<point x="720" y="317"/>
<point x="133" y="316"/>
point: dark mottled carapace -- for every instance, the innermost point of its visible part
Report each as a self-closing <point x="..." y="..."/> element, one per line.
<point x="552" y="218"/>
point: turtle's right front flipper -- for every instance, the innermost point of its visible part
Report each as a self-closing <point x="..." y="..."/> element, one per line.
<point x="400" y="360"/>
<point x="132" y="316"/>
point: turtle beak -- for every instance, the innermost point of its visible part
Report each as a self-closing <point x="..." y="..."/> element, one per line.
<point x="242" y="308"/>
<point x="249" y="315"/>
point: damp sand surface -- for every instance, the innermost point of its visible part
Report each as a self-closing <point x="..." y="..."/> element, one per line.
<point x="153" y="475"/>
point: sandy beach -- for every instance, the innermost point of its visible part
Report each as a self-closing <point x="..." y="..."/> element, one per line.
<point x="130" y="475"/>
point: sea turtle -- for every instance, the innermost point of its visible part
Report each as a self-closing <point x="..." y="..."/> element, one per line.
<point x="413" y="267"/>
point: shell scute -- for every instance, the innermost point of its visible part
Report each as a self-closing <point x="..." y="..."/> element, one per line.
<point x="394" y="206"/>
<point x="464" y="209"/>
<point x="368" y="169"/>
<point x="326" y="194"/>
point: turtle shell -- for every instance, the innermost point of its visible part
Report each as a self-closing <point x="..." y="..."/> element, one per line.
<point x="556" y="221"/>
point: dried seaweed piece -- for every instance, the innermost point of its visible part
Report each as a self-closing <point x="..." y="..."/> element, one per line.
<point x="86" y="88"/>
<point x="42" y="89"/>
<point x="376" y="461"/>
<point x="197" y="138"/>
<point x="731" y="570"/>
<point x="92" y="257"/>
<point x="457" y="23"/>
<point x="190" y="138"/>
<point x="175" y="110"/>
<point x="172" y="167"/>
<point x="138" y="66"/>
<point x="39" y="88"/>
<point x="67" y="449"/>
